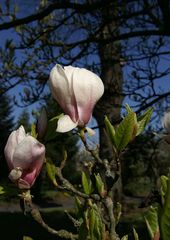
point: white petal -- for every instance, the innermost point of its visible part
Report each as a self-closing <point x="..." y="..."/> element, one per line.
<point x="65" y="124"/>
<point x="20" y="134"/>
<point x="69" y="71"/>
<point x="88" y="88"/>
<point x="28" y="153"/>
<point x="10" y="149"/>
<point x="62" y="89"/>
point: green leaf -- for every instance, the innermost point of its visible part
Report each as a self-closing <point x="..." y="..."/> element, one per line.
<point x="33" y="131"/>
<point x="51" y="171"/>
<point x="110" y="130"/>
<point x="125" y="131"/>
<point x="79" y="207"/>
<point x="143" y="120"/>
<point x="164" y="182"/>
<point x="100" y="185"/>
<point x="27" y="238"/>
<point x="83" y="232"/>
<point x="92" y="221"/>
<point x="87" y="185"/>
<point x="128" y="109"/>
<point x="165" y="214"/>
<point x="135" y="234"/>
<point x="98" y="224"/>
<point x="124" y="237"/>
<point x="1" y="190"/>
<point x="151" y="219"/>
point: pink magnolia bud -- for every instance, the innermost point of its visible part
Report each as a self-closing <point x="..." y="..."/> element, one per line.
<point x="25" y="157"/>
<point x="76" y="90"/>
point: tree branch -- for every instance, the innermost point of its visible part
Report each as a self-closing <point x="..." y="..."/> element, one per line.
<point x="80" y="8"/>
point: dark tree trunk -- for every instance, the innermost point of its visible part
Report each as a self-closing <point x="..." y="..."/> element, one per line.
<point x="110" y="103"/>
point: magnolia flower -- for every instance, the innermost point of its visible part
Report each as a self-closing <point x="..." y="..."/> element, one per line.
<point x="76" y="90"/>
<point x="25" y="157"/>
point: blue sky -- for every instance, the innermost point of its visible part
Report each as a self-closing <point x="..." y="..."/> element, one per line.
<point x="161" y="85"/>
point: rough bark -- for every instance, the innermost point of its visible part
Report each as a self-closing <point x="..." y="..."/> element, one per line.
<point x="110" y="103"/>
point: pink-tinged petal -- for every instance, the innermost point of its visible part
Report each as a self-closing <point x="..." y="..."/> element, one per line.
<point x="30" y="177"/>
<point x="62" y="90"/>
<point x="88" y="88"/>
<point x="22" y="184"/>
<point x="65" y="124"/>
<point x="28" y="152"/>
<point x="20" y="134"/>
<point x="10" y="148"/>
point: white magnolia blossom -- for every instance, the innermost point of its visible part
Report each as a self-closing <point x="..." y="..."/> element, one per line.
<point x="76" y="90"/>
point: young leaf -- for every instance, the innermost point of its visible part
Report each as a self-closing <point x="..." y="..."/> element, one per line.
<point x="51" y="171"/>
<point x="151" y="220"/>
<point x="124" y="237"/>
<point x="92" y="220"/>
<point x="100" y="185"/>
<point x="110" y="130"/>
<point x="27" y="238"/>
<point x="83" y="232"/>
<point x="165" y="214"/>
<point x="87" y="185"/>
<point x="135" y="234"/>
<point x="33" y="131"/>
<point x="128" y="109"/>
<point x="164" y="181"/>
<point x="1" y="190"/>
<point x="143" y="121"/>
<point x="98" y="226"/>
<point x="125" y="131"/>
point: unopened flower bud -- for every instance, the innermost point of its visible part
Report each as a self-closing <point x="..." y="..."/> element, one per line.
<point x="25" y="156"/>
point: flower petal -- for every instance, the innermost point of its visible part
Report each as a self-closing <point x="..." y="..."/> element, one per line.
<point x="88" y="88"/>
<point x="30" y="177"/>
<point x="22" y="184"/>
<point x="20" y="134"/>
<point x="65" y="124"/>
<point x="62" y="90"/>
<point x="10" y="148"/>
<point x="28" y="152"/>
